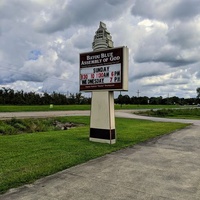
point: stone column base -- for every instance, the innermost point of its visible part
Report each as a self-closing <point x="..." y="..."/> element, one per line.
<point x="102" y="135"/>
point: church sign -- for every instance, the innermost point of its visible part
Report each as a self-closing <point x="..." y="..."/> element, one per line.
<point x="104" y="70"/>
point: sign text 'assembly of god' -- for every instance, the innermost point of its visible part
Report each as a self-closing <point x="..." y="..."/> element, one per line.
<point x="104" y="70"/>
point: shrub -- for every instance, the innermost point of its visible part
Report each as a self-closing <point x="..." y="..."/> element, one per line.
<point x="16" y="126"/>
<point x="7" y="129"/>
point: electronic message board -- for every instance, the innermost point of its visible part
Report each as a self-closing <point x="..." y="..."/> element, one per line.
<point x="104" y="70"/>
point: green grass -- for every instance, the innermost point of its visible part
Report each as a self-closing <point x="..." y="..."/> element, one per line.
<point x="27" y="157"/>
<point x="126" y="107"/>
<point x="13" y="108"/>
<point x="192" y="113"/>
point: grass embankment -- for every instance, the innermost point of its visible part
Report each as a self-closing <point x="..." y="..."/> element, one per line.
<point x="193" y="113"/>
<point x="27" y="157"/>
<point x="14" y="108"/>
<point x="16" y="126"/>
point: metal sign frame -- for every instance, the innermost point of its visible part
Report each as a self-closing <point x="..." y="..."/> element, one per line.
<point x="104" y="70"/>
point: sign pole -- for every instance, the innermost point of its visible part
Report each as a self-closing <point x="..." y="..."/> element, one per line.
<point x="102" y="119"/>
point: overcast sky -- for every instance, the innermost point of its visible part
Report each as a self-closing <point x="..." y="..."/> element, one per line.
<point x="40" y="42"/>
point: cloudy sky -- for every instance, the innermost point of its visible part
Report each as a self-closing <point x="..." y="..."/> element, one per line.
<point x="40" y="42"/>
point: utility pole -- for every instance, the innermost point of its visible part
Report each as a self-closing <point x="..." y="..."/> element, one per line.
<point x="138" y="93"/>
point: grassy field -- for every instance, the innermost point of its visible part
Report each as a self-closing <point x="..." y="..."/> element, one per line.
<point x="27" y="157"/>
<point x="193" y="113"/>
<point x="128" y="107"/>
<point x="13" y="108"/>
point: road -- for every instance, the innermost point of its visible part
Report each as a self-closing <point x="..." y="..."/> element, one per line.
<point x="118" y="113"/>
<point x="8" y="115"/>
<point x="166" y="168"/>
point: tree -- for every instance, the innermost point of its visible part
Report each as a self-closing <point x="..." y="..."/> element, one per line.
<point x="119" y="100"/>
<point x="78" y="98"/>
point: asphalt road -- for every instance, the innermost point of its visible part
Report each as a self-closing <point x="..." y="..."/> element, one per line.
<point x="118" y="113"/>
<point x="8" y="115"/>
<point x="166" y="168"/>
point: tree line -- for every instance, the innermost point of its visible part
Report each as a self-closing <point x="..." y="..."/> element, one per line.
<point x="10" y="97"/>
<point x="156" y="100"/>
<point x="125" y="99"/>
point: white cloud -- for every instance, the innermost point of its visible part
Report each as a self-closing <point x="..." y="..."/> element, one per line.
<point x="79" y="13"/>
<point x="170" y="10"/>
<point x="186" y="35"/>
<point x="25" y="86"/>
<point x="41" y="40"/>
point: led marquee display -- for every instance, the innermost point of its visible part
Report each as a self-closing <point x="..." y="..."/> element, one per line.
<point x="104" y="70"/>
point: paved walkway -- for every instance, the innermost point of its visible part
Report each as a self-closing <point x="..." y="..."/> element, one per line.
<point x="167" y="168"/>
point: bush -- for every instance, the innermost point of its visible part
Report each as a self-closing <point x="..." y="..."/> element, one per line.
<point x="20" y="127"/>
<point x="183" y="113"/>
<point x="17" y="126"/>
<point x="7" y="129"/>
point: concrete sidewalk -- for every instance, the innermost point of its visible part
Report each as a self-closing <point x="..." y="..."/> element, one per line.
<point x="164" y="168"/>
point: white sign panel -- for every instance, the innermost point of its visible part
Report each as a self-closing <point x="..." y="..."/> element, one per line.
<point x="106" y="69"/>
